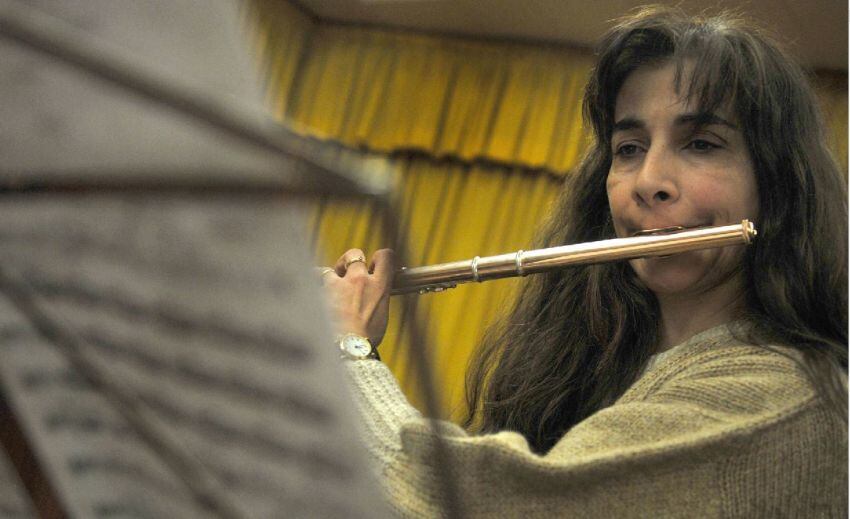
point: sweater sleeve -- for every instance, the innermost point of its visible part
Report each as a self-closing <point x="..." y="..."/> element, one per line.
<point x="663" y="449"/>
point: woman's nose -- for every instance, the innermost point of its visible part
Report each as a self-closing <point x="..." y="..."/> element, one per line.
<point x="657" y="181"/>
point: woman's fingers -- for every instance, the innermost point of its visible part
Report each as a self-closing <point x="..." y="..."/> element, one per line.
<point x="324" y="272"/>
<point x="360" y="292"/>
<point x="353" y="260"/>
<point x="381" y="263"/>
<point x="382" y="267"/>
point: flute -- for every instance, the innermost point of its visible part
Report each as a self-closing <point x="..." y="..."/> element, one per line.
<point x="653" y="242"/>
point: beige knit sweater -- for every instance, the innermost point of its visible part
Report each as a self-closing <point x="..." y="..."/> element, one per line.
<point x="714" y="428"/>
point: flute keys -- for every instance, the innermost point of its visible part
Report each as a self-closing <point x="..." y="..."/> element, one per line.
<point x="442" y="287"/>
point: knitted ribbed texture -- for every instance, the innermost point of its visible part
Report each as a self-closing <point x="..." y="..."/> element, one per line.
<point x="714" y="428"/>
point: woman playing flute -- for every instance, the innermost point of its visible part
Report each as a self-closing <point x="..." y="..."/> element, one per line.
<point x="708" y="383"/>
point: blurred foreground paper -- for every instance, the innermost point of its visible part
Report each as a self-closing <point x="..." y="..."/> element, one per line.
<point x="200" y="312"/>
<point x="159" y="91"/>
<point x="190" y="341"/>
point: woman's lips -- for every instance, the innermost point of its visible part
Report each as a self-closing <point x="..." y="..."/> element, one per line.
<point x="668" y="229"/>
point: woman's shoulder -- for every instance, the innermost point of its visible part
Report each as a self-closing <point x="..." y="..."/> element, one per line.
<point x="723" y="371"/>
<point x="715" y="392"/>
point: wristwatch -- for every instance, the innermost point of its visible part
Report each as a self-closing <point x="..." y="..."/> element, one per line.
<point x="356" y="347"/>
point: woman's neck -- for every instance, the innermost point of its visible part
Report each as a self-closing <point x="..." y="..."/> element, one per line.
<point x="683" y="316"/>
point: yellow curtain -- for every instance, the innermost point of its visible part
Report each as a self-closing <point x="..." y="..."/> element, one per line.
<point x="388" y="91"/>
<point x="477" y="134"/>
<point x="280" y="33"/>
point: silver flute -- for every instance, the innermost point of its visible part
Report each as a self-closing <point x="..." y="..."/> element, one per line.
<point x="651" y="242"/>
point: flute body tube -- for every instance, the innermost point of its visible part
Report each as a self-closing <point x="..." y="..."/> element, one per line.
<point x="662" y="242"/>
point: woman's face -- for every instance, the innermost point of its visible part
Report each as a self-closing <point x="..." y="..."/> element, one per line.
<point x="673" y="166"/>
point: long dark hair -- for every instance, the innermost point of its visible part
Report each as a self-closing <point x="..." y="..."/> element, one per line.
<point x="578" y="338"/>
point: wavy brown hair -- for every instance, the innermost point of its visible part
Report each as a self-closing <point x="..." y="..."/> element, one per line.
<point x="576" y="339"/>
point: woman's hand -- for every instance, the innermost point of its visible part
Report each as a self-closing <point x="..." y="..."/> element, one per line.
<point x="360" y="293"/>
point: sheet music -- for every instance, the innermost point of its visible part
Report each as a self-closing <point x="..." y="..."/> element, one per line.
<point x="206" y="314"/>
<point x="61" y="122"/>
<point x="167" y="356"/>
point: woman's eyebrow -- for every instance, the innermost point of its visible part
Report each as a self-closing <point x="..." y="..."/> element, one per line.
<point x="628" y="123"/>
<point x="700" y="119"/>
<point x="696" y="119"/>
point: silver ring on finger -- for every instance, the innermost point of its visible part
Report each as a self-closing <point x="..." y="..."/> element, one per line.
<point x="358" y="259"/>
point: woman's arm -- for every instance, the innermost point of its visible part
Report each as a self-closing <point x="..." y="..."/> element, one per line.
<point x="726" y="430"/>
<point x="735" y="428"/>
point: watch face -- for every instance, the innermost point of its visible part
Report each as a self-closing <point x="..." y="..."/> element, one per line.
<point x="356" y="346"/>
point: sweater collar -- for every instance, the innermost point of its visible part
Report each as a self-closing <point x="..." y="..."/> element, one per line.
<point x="722" y="333"/>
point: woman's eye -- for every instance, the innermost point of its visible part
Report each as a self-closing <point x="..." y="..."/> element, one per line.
<point x="702" y="145"/>
<point x="627" y="150"/>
